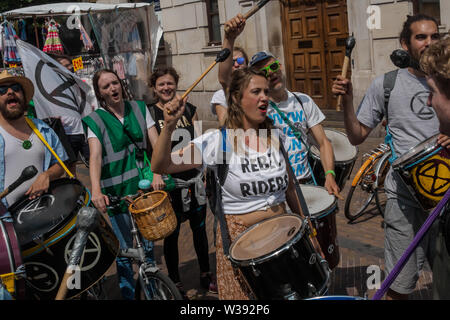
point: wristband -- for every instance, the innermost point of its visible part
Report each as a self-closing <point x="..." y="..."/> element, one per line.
<point x="330" y="171"/>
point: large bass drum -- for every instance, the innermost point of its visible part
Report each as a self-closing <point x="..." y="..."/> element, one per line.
<point x="46" y="230"/>
<point x="279" y="261"/>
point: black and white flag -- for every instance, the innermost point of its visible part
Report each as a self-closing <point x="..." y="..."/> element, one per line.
<point x="57" y="91"/>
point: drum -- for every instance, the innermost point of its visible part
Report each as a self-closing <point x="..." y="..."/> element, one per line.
<point x="154" y="215"/>
<point x="278" y="260"/>
<point x="46" y="230"/>
<point x="345" y="155"/>
<point x="425" y="170"/>
<point x="12" y="274"/>
<point x="323" y="208"/>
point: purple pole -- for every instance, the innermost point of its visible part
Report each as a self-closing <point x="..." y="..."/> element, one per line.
<point x="419" y="236"/>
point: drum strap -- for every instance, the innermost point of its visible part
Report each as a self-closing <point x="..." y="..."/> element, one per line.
<point x="388" y="85"/>
<point x="36" y="131"/>
<point x="219" y="173"/>
<point x="295" y="131"/>
<point x="298" y="190"/>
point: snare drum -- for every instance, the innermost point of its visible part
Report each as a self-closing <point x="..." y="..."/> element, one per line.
<point x="278" y="260"/>
<point x="425" y="170"/>
<point x="345" y="155"/>
<point x="323" y="208"/>
<point x="46" y="230"/>
<point x="11" y="276"/>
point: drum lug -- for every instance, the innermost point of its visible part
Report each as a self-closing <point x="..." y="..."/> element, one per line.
<point x="255" y="271"/>
<point x="312" y="290"/>
<point x="294" y="253"/>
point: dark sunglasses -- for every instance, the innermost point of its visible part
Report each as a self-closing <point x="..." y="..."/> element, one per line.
<point x="273" y="67"/>
<point x="15" y="86"/>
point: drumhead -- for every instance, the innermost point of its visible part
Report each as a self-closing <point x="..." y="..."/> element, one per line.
<point x="412" y="153"/>
<point x="34" y="218"/>
<point x="265" y="237"/>
<point x="343" y="150"/>
<point x="318" y="200"/>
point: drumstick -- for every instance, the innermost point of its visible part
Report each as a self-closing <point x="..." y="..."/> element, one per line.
<point x="27" y="173"/>
<point x="253" y="10"/>
<point x="339" y="196"/>
<point x="349" y="45"/>
<point x="221" y="56"/>
<point x="86" y="221"/>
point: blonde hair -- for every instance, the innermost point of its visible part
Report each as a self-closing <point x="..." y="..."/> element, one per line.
<point x="435" y="62"/>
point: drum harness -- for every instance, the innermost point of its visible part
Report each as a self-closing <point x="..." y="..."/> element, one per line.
<point x="219" y="174"/>
<point x="388" y="85"/>
<point x="296" y="131"/>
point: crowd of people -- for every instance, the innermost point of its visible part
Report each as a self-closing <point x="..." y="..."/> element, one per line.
<point x="264" y="168"/>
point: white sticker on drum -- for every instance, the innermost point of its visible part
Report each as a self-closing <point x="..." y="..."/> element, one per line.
<point x="41" y="277"/>
<point x="330" y="248"/>
<point x="36" y="205"/>
<point x="91" y="253"/>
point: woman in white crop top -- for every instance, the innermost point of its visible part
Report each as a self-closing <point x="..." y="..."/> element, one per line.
<point x="257" y="185"/>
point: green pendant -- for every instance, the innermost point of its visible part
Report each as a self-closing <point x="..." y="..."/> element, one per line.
<point x="26" y="144"/>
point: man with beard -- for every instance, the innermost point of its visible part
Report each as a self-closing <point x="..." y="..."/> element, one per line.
<point x="20" y="146"/>
<point x="409" y="122"/>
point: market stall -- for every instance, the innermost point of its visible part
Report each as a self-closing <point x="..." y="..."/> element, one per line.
<point x="123" y="37"/>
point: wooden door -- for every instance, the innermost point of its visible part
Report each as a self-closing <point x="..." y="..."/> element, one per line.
<point x="314" y="38"/>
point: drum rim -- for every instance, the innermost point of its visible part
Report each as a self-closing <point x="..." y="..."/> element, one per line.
<point x="317" y="157"/>
<point x="325" y="212"/>
<point x="397" y="163"/>
<point x="268" y="256"/>
<point x="57" y="228"/>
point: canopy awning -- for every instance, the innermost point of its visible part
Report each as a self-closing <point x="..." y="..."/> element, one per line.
<point x="69" y="8"/>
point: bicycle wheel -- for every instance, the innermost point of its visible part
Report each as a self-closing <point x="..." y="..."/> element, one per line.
<point x="381" y="171"/>
<point x="354" y="209"/>
<point x="156" y="286"/>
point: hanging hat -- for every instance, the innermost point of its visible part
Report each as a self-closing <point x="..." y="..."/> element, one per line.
<point x="27" y="85"/>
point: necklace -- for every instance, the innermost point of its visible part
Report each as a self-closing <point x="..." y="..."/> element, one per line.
<point x="26" y="144"/>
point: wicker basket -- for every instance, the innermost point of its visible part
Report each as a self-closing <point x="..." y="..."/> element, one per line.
<point x="154" y="215"/>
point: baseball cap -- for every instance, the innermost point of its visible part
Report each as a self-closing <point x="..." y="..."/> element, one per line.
<point x="260" y="56"/>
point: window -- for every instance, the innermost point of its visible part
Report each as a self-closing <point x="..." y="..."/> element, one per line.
<point x="429" y="7"/>
<point x="212" y="10"/>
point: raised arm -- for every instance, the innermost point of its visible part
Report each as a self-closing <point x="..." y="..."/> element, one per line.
<point x="162" y="158"/>
<point x="356" y="131"/>
<point x="232" y="29"/>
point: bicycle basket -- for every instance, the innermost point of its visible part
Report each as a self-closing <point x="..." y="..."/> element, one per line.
<point x="154" y="215"/>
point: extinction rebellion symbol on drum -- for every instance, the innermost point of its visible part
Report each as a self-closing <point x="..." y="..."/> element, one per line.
<point x="433" y="177"/>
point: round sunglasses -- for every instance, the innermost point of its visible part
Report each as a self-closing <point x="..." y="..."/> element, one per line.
<point x="273" y="67"/>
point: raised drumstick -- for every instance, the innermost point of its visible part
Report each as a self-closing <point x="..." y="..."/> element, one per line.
<point x="349" y="45"/>
<point x="221" y="56"/>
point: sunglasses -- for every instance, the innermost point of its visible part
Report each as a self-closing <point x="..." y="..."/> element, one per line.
<point x="273" y="67"/>
<point x="15" y="86"/>
<point x="239" y="60"/>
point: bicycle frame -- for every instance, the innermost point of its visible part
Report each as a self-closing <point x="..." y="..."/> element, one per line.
<point x="372" y="157"/>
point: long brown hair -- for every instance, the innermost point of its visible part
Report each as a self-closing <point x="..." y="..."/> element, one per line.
<point x="235" y="114"/>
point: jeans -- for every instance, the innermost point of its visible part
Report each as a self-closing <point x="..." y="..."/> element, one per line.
<point x="121" y="225"/>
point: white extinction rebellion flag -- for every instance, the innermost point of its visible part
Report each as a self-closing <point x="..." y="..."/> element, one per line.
<point x="57" y="91"/>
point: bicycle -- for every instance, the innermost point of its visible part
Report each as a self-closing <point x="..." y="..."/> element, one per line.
<point x="152" y="283"/>
<point x="370" y="178"/>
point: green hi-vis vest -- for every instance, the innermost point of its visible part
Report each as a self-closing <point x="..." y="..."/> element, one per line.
<point x="119" y="173"/>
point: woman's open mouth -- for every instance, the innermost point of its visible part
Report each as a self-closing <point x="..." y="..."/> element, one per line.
<point x="263" y="108"/>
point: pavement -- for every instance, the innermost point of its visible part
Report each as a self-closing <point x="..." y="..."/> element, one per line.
<point x="361" y="266"/>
